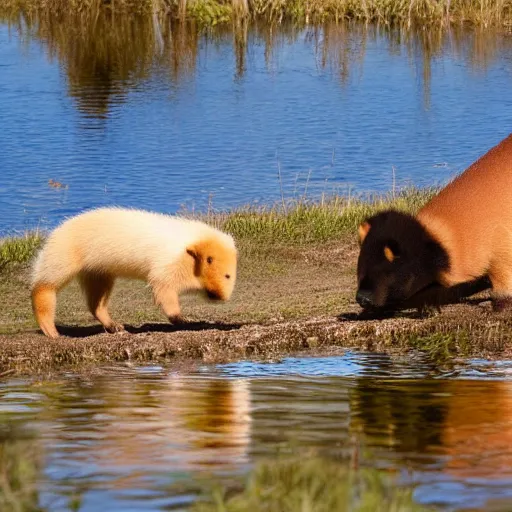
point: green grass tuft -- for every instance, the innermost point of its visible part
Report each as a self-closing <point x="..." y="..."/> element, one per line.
<point x="295" y="222"/>
<point x="19" y="250"/>
<point x="443" y="346"/>
<point x="310" y="485"/>
<point x="304" y="222"/>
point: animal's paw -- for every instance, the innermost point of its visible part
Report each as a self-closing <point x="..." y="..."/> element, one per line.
<point x="500" y="304"/>
<point x="115" y="328"/>
<point x="177" y="319"/>
<point x="429" y="311"/>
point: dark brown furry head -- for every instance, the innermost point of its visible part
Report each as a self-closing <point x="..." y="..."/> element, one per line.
<point x="398" y="258"/>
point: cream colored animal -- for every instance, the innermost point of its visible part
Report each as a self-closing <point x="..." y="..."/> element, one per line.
<point x="172" y="254"/>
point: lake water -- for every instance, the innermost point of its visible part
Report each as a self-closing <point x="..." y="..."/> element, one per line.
<point x="159" y="116"/>
<point x="141" y="438"/>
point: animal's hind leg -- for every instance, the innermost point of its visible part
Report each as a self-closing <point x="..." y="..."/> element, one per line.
<point x="97" y="289"/>
<point x="44" y="301"/>
<point x="501" y="279"/>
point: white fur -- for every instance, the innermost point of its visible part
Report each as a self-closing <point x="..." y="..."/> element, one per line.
<point x="127" y="243"/>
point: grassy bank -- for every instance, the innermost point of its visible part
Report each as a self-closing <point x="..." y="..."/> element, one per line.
<point x="294" y="294"/>
<point x="16" y="251"/>
<point x="286" y="223"/>
<point x="211" y="12"/>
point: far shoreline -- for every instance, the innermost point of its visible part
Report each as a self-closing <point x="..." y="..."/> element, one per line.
<point x="212" y="13"/>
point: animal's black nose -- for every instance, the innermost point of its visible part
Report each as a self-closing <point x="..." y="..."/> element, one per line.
<point x="364" y="298"/>
<point x="212" y="295"/>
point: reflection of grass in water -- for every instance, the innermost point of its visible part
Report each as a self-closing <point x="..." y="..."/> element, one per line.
<point x="20" y="467"/>
<point x="211" y="12"/>
<point x="103" y="57"/>
<point x="300" y="221"/>
<point x="309" y="485"/>
<point x="107" y="54"/>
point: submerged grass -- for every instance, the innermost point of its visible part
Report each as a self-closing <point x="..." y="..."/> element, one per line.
<point x="20" y="465"/>
<point x="212" y="12"/>
<point x="310" y="485"/>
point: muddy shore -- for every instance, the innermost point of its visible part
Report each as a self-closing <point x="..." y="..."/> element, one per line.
<point x="468" y="330"/>
<point x="288" y="301"/>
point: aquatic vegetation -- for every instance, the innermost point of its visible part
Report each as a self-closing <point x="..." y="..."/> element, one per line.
<point x="56" y="184"/>
<point x="20" y="465"/>
<point x="310" y="485"/>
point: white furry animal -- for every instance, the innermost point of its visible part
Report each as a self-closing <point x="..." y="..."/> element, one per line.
<point x="172" y="254"/>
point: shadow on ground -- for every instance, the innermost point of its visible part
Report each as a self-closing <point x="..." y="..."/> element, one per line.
<point x="94" y="330"/>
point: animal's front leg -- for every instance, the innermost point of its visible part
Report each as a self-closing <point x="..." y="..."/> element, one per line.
<point x="168" y="300"/>
<point x="431" y="299"/>
<point x="501" y="277"/>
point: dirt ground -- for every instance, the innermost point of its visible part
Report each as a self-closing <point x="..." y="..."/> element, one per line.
<point x="287" y="301"/>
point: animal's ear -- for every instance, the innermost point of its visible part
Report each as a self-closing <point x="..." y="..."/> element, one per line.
<point x="196" y="253"/>
<point x="363" y="230"/>
<point x="193" y="251"/>
<point x="389" y="254"/>
<point x="391" y="250"/>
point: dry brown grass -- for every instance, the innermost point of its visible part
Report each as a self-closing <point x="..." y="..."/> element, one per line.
<point x="211" y="12"/>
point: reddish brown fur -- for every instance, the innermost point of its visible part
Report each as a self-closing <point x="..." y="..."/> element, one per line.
<point x="472" y="219"/>
<point x="463" y="235"/>
<point x="44" y="301"/>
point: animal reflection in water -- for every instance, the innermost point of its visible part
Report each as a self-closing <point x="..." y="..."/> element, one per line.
<point x="468" y="424"/>
<point x="175" y="425"/>
<point x="478" y="430"/>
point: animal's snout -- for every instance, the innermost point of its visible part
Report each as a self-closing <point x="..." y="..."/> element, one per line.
<point x="364" y="298"/>
<point x="213" y="295"/>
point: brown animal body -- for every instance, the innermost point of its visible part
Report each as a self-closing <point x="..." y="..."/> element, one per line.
<point x="463" y="234"/>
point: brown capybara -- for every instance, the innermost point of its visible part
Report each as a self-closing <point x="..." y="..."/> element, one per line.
<point x="460" y="238"/>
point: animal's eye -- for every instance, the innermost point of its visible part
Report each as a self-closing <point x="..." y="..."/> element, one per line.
<point x="228" y="276"/>
<point x="209" y="260"/>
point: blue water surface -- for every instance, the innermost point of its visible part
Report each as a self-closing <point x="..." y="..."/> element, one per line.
<point x="294" y="121"/>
